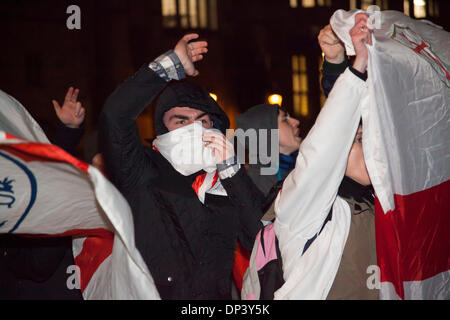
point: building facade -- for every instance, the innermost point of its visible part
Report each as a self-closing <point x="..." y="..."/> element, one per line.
<point x="256" y="48"/>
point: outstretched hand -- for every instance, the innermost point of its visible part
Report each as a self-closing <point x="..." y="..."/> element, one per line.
<point x="190" y="52"/>
<point x="71" y="113"/>
<point x="331" y="46"/>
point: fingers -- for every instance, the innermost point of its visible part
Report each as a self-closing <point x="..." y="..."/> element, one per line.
<point x="199" y="51"/>
<point x="56" y="106"/>
<point x="197" y="58"/>
<point x="361" y="17"/>
<point x="80" y="115"/>
<point x="216" y="139"/>
<point x="198" y="44"/>
<point x="190" y="53"/>
<point x="328" y="39"/>
<point x="72" y="94"/>
<point x="369" y="38"/>
<point x="328" y="36"/>
<point x="68" y="94"/>
<point x="196" y="49"/>
<point x="361" y="35"/>
<point x="325" y="29"/>
<point x="75" y="95"/>
<point x="218" y="146"/>
<point x="190" y="36"/>
<point x="219" y="149"/>
<point x="213" y="138"/>
<point x="79" y="110"/>
<point x="360" y="29"/>
<point x="209" y="136"/>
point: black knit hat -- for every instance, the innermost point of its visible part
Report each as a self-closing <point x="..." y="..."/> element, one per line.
<point x="188" y="94"/>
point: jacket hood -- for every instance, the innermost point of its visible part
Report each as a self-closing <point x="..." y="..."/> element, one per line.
<point x="262" y="116"/>
<point x="188" y="94"/>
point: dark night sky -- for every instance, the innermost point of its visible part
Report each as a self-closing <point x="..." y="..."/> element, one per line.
<point x="250" y="51"/>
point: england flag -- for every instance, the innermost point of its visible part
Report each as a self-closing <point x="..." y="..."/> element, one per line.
<point x="44" y="191"/>
<point x="406" y="141"/>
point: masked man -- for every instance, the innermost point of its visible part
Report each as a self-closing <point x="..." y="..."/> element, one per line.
<point x="190" y="198"/>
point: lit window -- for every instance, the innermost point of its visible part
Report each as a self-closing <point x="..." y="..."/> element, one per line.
<point x="322" y="95"/>
<point x="382" y="4"/>
<point x="308" y="3"/>
<point x="189" y="14"/>
<point x="183" y="13"/>
<point x="420" y="9"/>
<point x="213" y="24"/>
<point x="365" y="4"/>
<point x="193" y="13"/>
<point x="169" y="13"/>
<point x="322" y="3"/>
<point x="406" y="7"/>
<point x="203" y="14"/>
<point x="300" y="85"/>
<point x="433" y="8"/>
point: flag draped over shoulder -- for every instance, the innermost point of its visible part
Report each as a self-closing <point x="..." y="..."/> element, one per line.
<point x="406" y="141"/>
<point x="44" y="191"/>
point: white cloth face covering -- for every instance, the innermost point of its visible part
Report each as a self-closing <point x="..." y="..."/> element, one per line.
<point x="185" y="149"/>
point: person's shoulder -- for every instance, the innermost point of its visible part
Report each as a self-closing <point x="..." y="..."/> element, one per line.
<point x="156" y="159"/>
<point x="151" y="153"/>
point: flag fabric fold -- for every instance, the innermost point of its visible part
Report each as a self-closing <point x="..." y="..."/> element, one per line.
<point x="406" y="141"/>
<point x="44" y="191"/>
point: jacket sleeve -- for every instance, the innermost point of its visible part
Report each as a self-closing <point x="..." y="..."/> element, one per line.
<point x="330" y="73"/>
<point x="68" y="138"/>
<point x="31" y="258"/>
<point x="119" y="138"/>
<point x="248" y="199"/>
<point x="311" y="188"/>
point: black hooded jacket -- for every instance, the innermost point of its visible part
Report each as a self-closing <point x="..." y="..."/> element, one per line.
<point x="188" y="246"/>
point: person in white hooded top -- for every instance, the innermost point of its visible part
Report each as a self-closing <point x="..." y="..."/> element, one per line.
<point x="328" y="156"/>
